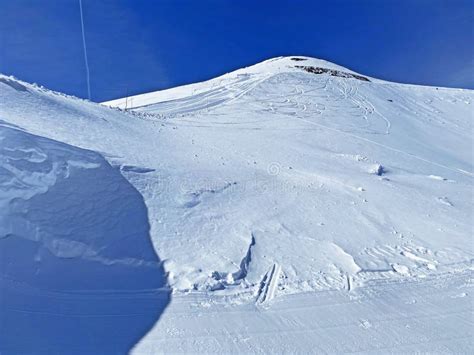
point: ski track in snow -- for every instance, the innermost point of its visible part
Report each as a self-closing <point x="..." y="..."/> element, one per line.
<point x="406" y="317"/>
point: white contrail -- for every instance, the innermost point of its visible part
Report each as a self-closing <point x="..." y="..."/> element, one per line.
<point x="85" y="52"/>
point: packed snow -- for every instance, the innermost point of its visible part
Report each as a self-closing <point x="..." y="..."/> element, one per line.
<point x="294" y="205"/>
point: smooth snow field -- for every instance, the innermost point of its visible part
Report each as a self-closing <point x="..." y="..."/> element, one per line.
<point x="293" y="206"/>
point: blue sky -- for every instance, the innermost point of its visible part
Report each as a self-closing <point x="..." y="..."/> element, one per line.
<point x="137" y="46"/>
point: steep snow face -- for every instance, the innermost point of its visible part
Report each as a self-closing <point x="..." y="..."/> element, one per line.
<point x="75" y="251"/>
<point x="72" y="229"/>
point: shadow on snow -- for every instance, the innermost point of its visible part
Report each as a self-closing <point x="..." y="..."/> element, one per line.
<point x="78" y="272"/>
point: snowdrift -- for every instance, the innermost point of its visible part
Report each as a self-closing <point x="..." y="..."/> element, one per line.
<point x="78" y="272"/>
<point x="266" y="185"/>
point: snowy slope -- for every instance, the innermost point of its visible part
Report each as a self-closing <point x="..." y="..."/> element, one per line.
<point x="321" y="167"/>
<point x="290" y="178"/>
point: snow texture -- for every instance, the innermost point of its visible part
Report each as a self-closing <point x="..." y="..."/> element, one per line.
<point x="309" y="203"/>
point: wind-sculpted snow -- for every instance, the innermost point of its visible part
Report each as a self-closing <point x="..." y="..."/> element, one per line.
<point x="263" y="185"/>
<point x="78" y="273"/>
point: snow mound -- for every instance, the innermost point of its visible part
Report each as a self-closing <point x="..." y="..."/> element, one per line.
<point x="71" y="229"/>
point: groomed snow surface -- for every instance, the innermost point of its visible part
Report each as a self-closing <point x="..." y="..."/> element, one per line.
<point x="292" y="206"/>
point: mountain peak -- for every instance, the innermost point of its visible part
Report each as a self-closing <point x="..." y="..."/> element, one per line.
<point x="234" y="80"/>
<point x="290" y="64"/>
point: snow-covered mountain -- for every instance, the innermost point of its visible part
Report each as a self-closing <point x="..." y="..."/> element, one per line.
<point x="293" y="180"/>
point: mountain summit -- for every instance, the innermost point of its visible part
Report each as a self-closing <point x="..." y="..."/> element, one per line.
<point x="267" y="68"/>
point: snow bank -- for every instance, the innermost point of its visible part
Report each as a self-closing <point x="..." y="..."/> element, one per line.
<point x="78" y="272"/>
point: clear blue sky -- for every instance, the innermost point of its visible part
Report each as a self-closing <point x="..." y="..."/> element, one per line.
<point x="137" y="46"/>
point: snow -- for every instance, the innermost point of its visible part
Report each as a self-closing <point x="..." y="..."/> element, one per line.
<point x="76" y="257"/>
<point x="417" y="316"/>
<point x="259" y="189"/>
